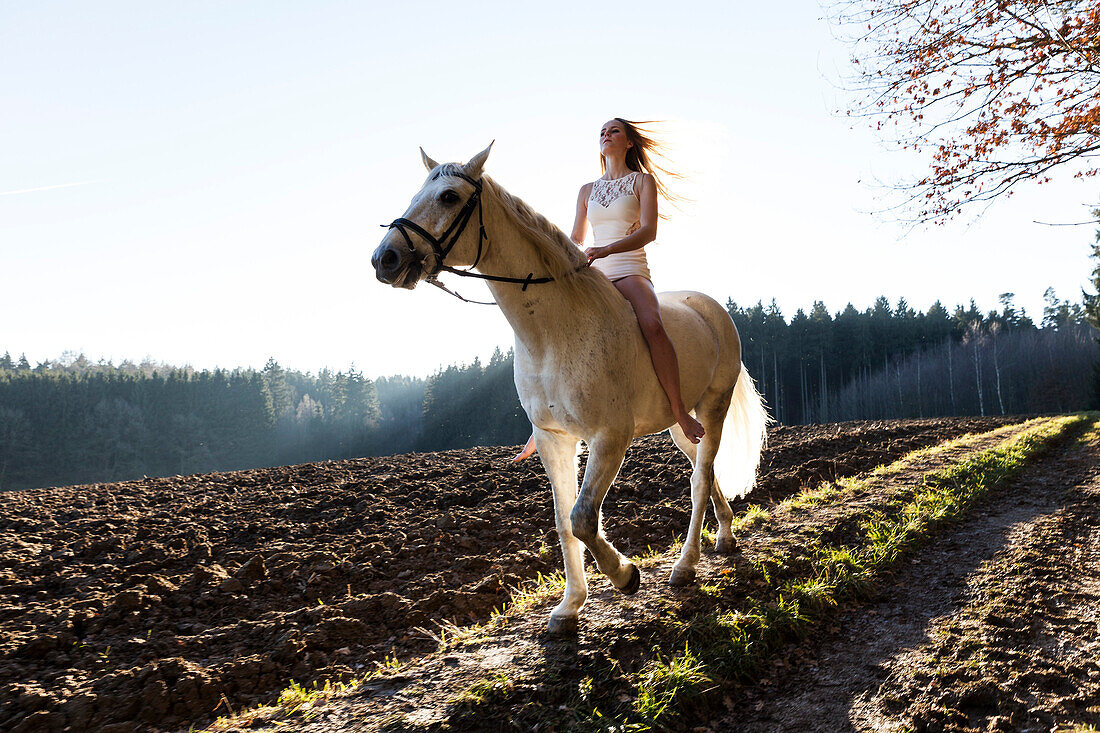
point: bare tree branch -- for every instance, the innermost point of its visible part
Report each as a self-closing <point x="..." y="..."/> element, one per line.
<point x="995" y="92"/>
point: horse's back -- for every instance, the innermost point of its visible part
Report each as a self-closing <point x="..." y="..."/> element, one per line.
<point x="688" y="310"/>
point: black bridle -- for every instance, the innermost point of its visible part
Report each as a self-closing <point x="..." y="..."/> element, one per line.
<point x="445" y="242"/>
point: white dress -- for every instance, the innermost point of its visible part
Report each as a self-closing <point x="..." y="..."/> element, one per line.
<point x="613" y="208"/>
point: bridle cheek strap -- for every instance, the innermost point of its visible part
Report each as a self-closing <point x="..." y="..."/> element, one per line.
<point x="444" y="243"/>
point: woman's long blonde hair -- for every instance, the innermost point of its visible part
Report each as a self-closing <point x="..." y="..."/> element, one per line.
<point x="639" y="157"/>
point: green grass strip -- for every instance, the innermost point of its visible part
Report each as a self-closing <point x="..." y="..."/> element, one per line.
<point x="732" y="645"/>
<point x="831" y="491"/>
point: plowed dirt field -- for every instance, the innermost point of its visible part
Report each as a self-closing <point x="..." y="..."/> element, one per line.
<point x="161" y="603"/>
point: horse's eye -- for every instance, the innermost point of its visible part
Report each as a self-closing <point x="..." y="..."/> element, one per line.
<point x="449" y="197"/>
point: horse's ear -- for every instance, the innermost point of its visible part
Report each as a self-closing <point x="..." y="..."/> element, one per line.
<point x="473" y="168"/>
<point x="430" y="164"/>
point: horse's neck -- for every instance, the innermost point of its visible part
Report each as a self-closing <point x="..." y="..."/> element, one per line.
<point x="542" y="312"/>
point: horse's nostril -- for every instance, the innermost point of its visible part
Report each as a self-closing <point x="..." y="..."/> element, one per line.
<point x="390" y="259"/>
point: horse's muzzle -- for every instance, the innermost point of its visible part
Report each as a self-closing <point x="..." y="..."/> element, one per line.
<point x="394" y="265"/>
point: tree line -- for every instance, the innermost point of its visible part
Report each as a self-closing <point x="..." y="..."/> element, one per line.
<point x="819" y="367"/>
<point x="70" y="420"/>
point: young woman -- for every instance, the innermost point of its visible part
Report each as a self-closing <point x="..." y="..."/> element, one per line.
<point x="622" y="208"/>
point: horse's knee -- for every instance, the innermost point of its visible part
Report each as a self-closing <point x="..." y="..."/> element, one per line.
<point x="585" y="521"/>
<point x="702" y="477"/>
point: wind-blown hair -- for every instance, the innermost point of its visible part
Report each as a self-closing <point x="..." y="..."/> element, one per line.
<point x="639" y="157"/>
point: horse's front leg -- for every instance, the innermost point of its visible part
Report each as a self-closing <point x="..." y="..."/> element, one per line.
<point x="558" y="453"/>
<point x="605" y="457"/>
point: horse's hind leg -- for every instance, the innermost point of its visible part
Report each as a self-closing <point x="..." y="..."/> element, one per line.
<point x="685" y="445"/>
<point x="711" y="412"/>
<point x="724" y="544"/>
<point x="605" y="456"/>
<point x="559" y="456"/>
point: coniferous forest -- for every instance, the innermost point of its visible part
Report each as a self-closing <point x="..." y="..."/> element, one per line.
<point x="71" y="421"/>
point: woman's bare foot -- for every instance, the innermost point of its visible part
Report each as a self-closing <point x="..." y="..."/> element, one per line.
<point x="692" y="428"/>
<point x="529" y="450"/>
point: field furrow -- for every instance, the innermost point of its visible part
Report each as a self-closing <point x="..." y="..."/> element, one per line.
<point x="163" y="602"/>
<point x="665" y="658"/>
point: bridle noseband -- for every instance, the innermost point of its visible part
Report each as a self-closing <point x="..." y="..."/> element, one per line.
<point x="444" y="243"/>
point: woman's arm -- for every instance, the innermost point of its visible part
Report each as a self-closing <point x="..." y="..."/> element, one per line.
<point x="647" y="223"/>
<point x="580" y="224"/>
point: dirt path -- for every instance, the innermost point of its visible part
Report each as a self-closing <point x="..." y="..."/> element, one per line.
<point x="995" y="627"/>
<point x="511" y="675"/>
<point x="156" y="603"/>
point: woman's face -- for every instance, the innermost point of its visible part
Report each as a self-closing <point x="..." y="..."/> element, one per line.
<point x="613" y="140"/>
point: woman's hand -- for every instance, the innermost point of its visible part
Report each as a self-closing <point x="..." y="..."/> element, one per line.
<point x="595" y="253"/>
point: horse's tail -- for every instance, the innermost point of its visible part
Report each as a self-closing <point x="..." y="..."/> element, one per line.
<point x="744" y="435"/>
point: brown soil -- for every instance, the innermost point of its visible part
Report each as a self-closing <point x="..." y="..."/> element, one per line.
<point x="164" y="601"/>
<point x="513" y="676"/>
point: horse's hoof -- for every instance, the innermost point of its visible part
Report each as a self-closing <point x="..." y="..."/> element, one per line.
<point x="634" y="583"/>
<point x="680" y="578"/>
<point x="726" y="546"/>
<point x="564" y="625"/>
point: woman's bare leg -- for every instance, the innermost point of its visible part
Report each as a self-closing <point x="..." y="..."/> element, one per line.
<point x="639" y="291"/>
<point x="528" y="450"/>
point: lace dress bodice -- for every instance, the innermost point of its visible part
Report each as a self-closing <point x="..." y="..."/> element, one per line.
<point x="605" y="191"/>
<point x="616" y="208"/>
<point x="613" y="210"/>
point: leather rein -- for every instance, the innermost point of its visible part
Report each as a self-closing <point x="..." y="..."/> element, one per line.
<point x="445" y="242"/>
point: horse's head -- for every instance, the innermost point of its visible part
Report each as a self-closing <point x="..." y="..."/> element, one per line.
<point x="433" y="231"/>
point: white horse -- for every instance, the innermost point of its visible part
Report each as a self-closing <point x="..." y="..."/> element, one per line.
<point x="582" y="367"/>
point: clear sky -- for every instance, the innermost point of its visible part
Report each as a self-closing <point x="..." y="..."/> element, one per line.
<point x="201" y="183"/>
